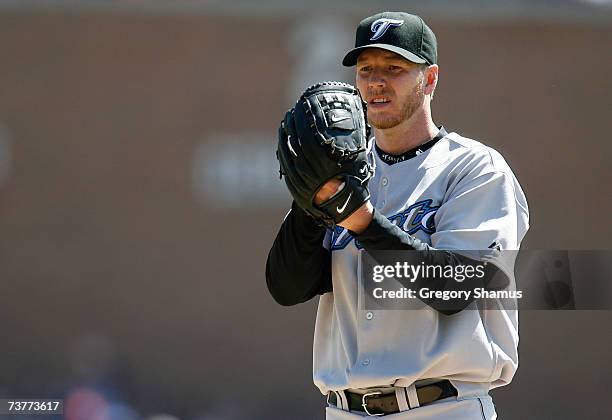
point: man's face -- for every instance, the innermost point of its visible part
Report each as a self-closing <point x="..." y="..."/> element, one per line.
<point x="391" y="85"/>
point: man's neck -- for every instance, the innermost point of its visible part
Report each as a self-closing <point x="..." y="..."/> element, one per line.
<point x="406" y="135"/>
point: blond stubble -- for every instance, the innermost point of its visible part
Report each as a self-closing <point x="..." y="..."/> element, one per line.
<point x="411" y="104"/>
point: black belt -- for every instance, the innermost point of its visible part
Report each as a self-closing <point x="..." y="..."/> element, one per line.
<point x="376" y="404"/>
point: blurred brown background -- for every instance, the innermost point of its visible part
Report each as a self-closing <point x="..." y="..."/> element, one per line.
<point x="139" y="195"/>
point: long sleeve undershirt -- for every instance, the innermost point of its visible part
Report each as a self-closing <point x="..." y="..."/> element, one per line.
<point x="299" y="267"/>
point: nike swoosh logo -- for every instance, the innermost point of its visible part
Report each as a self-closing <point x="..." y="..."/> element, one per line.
<point x="290" y="147"/>
<point x="341" y="209"/>
<point x="363" y="170"/>
<point x="336" y="119"/>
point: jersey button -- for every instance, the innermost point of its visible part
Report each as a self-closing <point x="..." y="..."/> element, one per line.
<point x="369" y="316"/>
<point x="385" y="182"/>
<point x="366" y="362"/>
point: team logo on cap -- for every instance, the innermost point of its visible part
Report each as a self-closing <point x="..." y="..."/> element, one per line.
<point x="380" y="26"/>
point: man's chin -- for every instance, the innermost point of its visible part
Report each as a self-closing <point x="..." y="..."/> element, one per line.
<point x="383" y="120"/>
<point x="383" y="123"/>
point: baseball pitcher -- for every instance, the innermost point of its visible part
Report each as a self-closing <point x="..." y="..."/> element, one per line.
<point x="404" y="184"/>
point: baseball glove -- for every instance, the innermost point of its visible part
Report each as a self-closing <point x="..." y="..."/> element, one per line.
<point x="325" y="136"/>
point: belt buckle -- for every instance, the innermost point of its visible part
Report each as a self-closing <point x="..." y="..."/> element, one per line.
<point x="364" y="403"/>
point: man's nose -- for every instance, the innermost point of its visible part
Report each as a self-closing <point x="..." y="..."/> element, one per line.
<point x="376" y="79"/>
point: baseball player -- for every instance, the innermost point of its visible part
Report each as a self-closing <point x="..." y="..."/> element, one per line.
<point x="410" y="184"/>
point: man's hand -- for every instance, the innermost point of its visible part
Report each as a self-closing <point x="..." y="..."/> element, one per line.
<point x="356" y="222"/>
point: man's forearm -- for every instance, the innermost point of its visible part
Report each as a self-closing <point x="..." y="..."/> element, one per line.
<point x="382" y="235"/>
<point x="298" y="267"/>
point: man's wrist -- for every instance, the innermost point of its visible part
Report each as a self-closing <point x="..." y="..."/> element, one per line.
<point x="360" y="219"/>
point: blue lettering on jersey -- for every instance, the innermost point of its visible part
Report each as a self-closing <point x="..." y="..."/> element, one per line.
<point x="419" y="216"/>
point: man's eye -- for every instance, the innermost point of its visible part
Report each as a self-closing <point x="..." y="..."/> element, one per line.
<point x="366" y="68"/>
<point x="395" y="68"/>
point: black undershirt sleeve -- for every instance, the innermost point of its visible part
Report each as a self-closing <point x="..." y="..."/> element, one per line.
<point x="298" y="266"/>
<point x="382" y="235"/>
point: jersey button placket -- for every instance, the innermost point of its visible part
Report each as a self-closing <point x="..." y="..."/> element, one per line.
<point x="385" y="183"/>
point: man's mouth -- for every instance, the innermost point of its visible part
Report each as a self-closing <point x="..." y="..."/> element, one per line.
<point x="379" y="101"/>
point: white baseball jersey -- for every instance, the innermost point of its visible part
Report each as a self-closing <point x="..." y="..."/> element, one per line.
<point x="458" y="194"/>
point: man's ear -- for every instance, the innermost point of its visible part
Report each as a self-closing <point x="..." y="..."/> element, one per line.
<point x="431" y="79"/>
